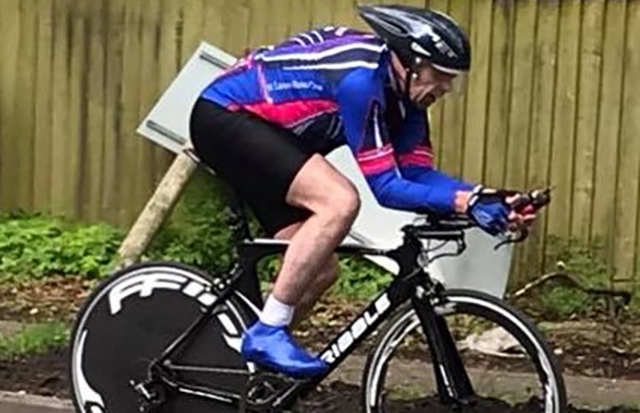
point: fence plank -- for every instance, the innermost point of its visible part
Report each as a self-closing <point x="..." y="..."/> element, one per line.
<point x="542" y="99"/>
<point x="60" y="121"/>
<point x="300" y="16"/>
<point x="168" y="60"/>
<point x="236" y="27"/>
<point x="629" y="160"/>
<point x="500" y="80"/>
<point x="213" y="30"/>
<point x="477" y="92"/>
<point x="453" y="132"/>
<point x="345" y="14"/>
<point x="258" y="14"/>
<point x="278" y="22"/>
<point x="564" y="119"/>
<point x="95" y="101"/>
<point x="43" y="107"/>
<point x="113" y="113"/>
<point x="192" y="17"/>
<point x="149" y="93"/>
<point x="587" y="117"/>
<point x="25" y="108"/>
<point x="130" y="98"/>
<point x="9" y="29"/>
<point x="78" y="85"/>
<point x="521" y="91"/>
<point x="436" y="111"/>
<point x="603" y="223"/>
<point x="4" y="189"/>
<point x="520" y="109"/>
<point x="321" y="13"/>
<point x="416" y="3"/>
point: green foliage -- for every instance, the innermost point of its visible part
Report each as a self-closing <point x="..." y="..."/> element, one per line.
<point x="560" y="301"/>
<point x="197" y="232"/>
<point x="358" y="278"/>
<point x="36" y="338"/>
<point x="361" y="278"/>
<point x="37" y="246"/>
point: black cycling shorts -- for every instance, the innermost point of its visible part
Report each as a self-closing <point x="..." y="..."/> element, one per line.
<point x="256" y="158"/>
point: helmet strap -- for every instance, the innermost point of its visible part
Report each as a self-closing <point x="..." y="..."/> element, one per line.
<point x="407" y="82"/>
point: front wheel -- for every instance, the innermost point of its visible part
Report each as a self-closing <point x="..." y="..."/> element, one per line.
<point x="509" y="365"/>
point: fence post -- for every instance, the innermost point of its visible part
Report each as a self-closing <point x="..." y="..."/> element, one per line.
<point x="157" y="210"/>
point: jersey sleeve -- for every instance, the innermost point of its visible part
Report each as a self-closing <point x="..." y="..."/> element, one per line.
<point x="414" y="154"/>
<point x="360" y="96"/>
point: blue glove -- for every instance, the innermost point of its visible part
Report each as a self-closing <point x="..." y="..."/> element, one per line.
<point x="489" y="212"/>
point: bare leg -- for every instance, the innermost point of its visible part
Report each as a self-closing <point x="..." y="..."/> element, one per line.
<point x="334" y="204"/>
<point x="308" y="267"/>
<point x="322" y="281"/>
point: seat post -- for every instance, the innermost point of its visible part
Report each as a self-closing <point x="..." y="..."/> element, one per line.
<point x="237" y="219"/>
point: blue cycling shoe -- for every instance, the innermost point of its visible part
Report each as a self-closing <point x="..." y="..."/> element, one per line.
<point x="274" y="348"/>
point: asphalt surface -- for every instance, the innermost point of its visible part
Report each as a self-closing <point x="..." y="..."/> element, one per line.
<point x="591" y="393"/>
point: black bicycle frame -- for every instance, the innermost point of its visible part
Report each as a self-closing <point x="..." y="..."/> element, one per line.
<point x="411" y="283"/>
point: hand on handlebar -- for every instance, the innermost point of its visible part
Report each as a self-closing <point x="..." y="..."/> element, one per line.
<point x="525" y="206"/>
<point x="488" y="209"/>
<point x="496" y="211"/>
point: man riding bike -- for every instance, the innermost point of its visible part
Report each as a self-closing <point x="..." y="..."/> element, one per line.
<point x="265" y="125"/>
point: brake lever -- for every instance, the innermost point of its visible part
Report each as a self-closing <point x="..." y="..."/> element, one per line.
<point x="522" y="234"/>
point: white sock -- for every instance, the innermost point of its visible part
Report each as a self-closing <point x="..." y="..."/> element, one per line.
<point x="276" y="313"/>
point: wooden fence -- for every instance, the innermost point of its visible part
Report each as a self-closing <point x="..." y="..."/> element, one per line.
<point x="553" y="99"/>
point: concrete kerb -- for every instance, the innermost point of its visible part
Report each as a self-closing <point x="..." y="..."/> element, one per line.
<point x="23" y="398"/>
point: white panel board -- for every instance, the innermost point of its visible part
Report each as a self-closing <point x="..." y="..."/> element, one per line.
<point x="167" y="124"/>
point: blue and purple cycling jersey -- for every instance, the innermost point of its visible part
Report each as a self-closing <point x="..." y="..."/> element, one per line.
<point x="332" y="86"/>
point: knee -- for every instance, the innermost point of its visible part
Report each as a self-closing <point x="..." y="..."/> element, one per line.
<point x="344" y="203"/>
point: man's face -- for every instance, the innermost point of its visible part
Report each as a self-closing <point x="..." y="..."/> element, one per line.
<point x="429" y="84"/>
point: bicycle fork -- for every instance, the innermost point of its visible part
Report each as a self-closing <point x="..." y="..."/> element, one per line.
<point x="450" y="375"/>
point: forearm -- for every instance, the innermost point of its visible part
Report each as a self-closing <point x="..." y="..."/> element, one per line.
<point x="432" y="177"/>
<point x="393" y="191"/>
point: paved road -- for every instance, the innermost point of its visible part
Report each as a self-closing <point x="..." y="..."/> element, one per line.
<point x="596" y="394"/>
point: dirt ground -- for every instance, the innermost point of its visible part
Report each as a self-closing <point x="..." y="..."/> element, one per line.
<point x="584" y="348"/>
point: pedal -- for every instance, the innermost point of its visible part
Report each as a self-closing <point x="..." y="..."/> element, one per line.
<point x="261" y="391"/>
<point x="151" y="395"/>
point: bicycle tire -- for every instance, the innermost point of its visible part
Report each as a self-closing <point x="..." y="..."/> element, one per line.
<point x="406" y="321"/>
<point x="132" y="317"/>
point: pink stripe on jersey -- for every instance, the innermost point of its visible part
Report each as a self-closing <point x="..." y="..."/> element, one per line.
<point x="420" y="156"/>
<point x="289" y="114"/>
<point x="375" y="153"/>
<point x="377" y="160"/>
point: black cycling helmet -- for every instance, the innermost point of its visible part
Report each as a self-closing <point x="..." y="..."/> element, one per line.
<point x="413" y="32"/>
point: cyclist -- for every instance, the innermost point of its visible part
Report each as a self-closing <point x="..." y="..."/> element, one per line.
<point x="266" y="123"/>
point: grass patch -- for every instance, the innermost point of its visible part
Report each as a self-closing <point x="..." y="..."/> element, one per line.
<point x="36" y="338"/>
